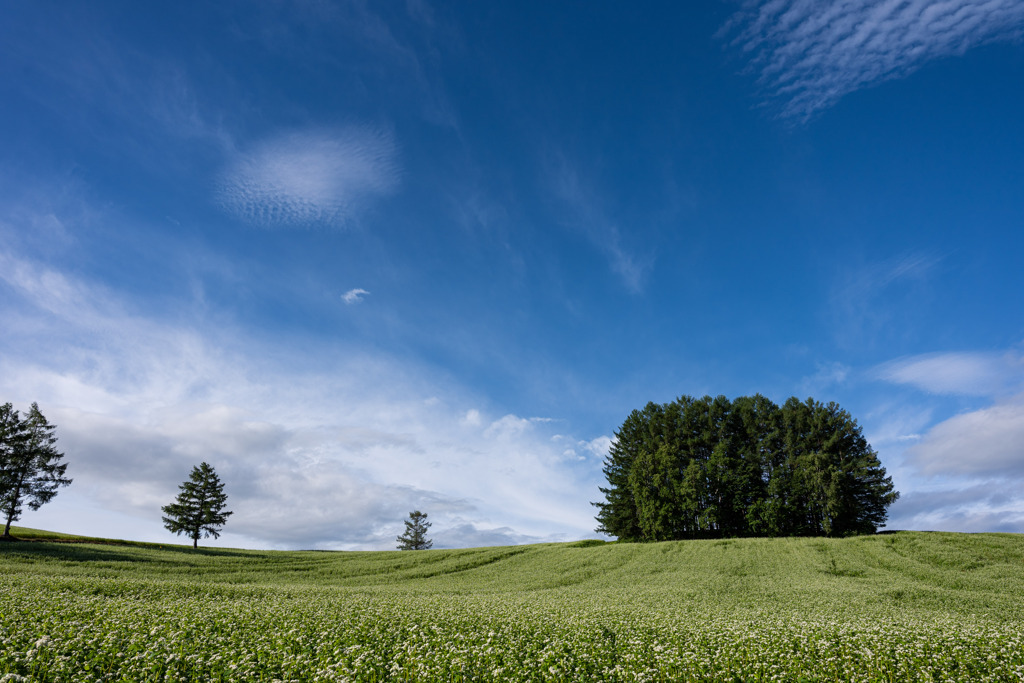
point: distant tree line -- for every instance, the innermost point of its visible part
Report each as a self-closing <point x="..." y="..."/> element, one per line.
<point x="711" y="467"/>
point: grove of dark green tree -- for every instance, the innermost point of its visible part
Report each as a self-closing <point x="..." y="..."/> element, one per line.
<point x="712" y="468"/>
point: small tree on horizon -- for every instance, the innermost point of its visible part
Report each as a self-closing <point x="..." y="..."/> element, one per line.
<point x="199" y="508"/>
<point x="30" y="465"/>
<point x="415" y="536"/>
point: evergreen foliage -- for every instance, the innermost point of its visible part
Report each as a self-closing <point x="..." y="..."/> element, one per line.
<point x="31" y="470"/>
<point x="710" y="467"/>
<point x="415" y="536"/>
<point x="199" y="508"/>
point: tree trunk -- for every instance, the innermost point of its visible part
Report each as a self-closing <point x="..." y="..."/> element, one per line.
<point x="10" y="514"/>
<point x="195" y="542"/>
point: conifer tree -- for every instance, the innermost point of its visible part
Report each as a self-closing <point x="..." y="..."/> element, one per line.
<point x="199" y="508"/>
<point x="617" y="514"/>
<point x="31" y="470"/>
<point x="415" y="536"/>
<point x="710" y="467"/>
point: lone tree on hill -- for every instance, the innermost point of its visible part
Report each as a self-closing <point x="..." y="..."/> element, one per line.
<point x="415" y="536"/>
<point x="30" y="465"/>
<point x="712" y="468"/>
<point x="199" y="508"/>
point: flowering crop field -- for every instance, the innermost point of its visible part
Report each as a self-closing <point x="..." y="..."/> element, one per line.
<point x="905" y="606"/>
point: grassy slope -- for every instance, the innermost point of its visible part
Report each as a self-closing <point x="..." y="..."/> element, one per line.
<point x="976" y="574"/>
<point x="21" y="533"/>
<point x="903" y="606"/>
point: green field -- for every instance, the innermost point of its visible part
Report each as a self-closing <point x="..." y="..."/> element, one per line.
<point x="891" y="607"/>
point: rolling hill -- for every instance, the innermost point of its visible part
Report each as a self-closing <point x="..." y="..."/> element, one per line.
<point x="886" y="607"/>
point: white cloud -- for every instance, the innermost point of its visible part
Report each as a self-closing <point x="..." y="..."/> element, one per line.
<point x="310" y="178"/>
<point x="313" y="453"/>
<point x="971" y="374"/>
<point x="992" y="505"/>
<point x="468" y="535"/>
<point x="966" y="472"/>
<point x="508" y="427"/>
<point x="810" y="53"/>
<point x="354" y="296"/>
<point x="597" y="448"/>
<point x="987" y="442"/>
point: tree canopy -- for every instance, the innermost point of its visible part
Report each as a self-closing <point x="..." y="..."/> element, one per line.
<point x="415" y="536"/>
<point x="31" y="470"/>
<point x="198" y="509"/>
<point x="711" y="467"/>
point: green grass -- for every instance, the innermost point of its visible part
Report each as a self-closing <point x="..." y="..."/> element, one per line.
<point x="21" y="533"/>
<point x="901" y="606"/>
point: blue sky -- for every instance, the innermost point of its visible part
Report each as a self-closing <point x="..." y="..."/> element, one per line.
<point x="366" y="258"/>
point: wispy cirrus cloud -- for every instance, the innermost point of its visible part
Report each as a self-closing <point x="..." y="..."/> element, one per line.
<point x="827" y="375"/>
<point x="809" y="54"/>
<point x="141" y="102"/>
<point x="310" y="178"/>
<point x="406" y="47"/>
<point x="865" y="299"/>
<point x="583" y="206"/>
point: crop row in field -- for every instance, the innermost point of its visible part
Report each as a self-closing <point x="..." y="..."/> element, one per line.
<point x="629" y="613"/>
